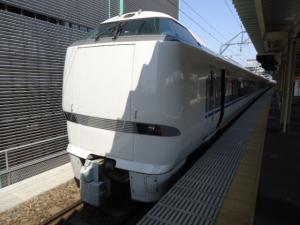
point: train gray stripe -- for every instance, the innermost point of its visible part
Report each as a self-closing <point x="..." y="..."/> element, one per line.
<point x="122" y="125"/>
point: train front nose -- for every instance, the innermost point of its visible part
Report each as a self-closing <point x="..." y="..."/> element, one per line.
<point x="97" y="95"/>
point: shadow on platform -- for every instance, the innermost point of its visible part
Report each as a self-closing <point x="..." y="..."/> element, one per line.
<point x="278" y="199"/>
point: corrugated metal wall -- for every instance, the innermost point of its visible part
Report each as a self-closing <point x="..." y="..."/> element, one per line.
<point x="166" y="6"/>
<point x="85" y="12"/>
<point x="32" y="51"/>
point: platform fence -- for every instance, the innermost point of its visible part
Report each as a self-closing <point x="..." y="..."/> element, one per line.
<point x="16" y="165"/>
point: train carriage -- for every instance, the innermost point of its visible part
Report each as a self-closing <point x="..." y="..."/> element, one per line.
<point x="140" y="94"/>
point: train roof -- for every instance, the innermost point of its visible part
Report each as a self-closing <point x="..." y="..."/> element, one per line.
<point x="151" y="14"/>
<point x="138" y="15"/>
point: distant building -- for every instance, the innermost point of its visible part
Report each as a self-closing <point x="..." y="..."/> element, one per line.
<point x="34" y="35"/>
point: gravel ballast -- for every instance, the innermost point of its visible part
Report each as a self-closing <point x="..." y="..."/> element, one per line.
<point x="41" y="207"/>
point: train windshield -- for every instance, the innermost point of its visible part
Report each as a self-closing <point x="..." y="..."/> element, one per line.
<point x="145" y="26"/>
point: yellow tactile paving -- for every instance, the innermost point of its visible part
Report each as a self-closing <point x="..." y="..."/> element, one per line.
<point x="239" y="204"/>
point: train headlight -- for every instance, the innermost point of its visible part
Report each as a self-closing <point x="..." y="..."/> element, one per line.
<point x="149" y="129"/>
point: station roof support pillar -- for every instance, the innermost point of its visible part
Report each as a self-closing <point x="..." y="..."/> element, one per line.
<point x="287" y="85"/>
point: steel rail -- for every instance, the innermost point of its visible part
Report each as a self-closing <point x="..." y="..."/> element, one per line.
<point x="62" y="213"/>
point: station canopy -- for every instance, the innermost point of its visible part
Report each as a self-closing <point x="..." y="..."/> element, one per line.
<point x="270" y="25"/>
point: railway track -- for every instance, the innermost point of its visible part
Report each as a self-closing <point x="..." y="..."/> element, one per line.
<point x="63" y="214"/>
<point x="120" y="210"/>
<point x="79" y="214"/>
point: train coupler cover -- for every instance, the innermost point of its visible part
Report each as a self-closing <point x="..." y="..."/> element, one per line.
<point x="93" y="187"/>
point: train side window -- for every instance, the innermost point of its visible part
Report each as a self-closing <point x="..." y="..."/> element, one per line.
<point x="210" y="92"/>
<point x="218" y="85"/>
<point x="228" y="95"/>
<point x="235" y="88"/>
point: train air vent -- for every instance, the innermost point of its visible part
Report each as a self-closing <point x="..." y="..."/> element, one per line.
<point x="128" y="15"/>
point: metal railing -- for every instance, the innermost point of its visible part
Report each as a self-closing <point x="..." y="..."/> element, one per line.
<point x="11" y="165"/>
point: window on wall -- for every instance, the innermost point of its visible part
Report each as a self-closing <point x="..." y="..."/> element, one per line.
<point x="13" y="9"/>
<point x="52" y="20"/>
<point x="45" y="18"/>
<point x="28" y="14"/>
<point x="2" y="6"/>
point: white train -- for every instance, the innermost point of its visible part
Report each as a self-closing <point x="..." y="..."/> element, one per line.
<point x="140" y="94"/>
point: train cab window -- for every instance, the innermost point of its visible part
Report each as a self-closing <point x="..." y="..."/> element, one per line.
<point x="127" y="28"/>
<point x="165" y="27"/>
<point x="184" y="35"/>
<point x="138" y="27"/>
<point x="144" y="26"/>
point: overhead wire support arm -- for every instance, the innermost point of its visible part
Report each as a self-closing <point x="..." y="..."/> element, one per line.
<point x="225" y="46"/>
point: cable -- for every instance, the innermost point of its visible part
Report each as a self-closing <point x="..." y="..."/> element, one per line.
<point x="194" y="21"/>
<point x="200" y="26"/>
<point x="234" y="17"/>
<point x="197" y="13"/>
<point x="211" y="26"/>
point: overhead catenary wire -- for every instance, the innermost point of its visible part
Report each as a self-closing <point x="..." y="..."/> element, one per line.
<point x="205" y="21"/>
<point x="201" y="27"/>
<point x="238" y="22"/>
<point x="201" y="17"/>
<point x="194" y="21"/>
<point x="231" y="12"/>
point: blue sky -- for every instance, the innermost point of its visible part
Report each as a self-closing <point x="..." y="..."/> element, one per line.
<point x="223" y="24"/>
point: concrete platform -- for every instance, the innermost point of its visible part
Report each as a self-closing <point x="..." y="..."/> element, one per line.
<point x="221" y="186"/>
<point x="278" y="199"/>
<point x="20" y="192"/>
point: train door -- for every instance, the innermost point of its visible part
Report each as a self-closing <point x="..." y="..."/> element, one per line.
<point x="221" y="86"/>
<point x="210" y="102"/>
<point x="210" y="96"/>
<point x="215" y="90"/>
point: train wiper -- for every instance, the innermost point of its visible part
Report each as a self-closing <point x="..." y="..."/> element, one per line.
<point x="118" y="30"/>
<point x="103" y="32"/>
